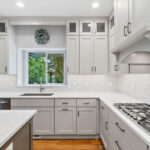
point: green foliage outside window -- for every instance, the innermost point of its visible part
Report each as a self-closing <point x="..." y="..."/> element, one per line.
<point x="37" y="68"/>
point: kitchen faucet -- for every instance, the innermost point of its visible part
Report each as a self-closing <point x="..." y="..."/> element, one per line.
<point x="41" y="87"/>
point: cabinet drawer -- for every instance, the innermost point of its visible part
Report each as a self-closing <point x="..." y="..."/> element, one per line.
<point x="103" y="110"/>
<point x="117" y="126"/>
<point x="65" y="102"/>
<point x="86" y="102"/>
<point x="32" y="102"/>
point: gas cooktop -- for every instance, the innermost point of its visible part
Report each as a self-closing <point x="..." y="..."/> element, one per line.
<point x="139" y="112"/>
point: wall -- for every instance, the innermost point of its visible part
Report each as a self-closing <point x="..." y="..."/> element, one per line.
<point x="80" y="83"/>
<point x="25" y="36"/>
<point x="137" y="86"/>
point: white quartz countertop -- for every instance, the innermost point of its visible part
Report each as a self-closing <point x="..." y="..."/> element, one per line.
<point x="109" y="98"/>
<point x="11" y="121"/>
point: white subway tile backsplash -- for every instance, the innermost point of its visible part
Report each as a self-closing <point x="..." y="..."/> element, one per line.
<point x="137" y="86"/>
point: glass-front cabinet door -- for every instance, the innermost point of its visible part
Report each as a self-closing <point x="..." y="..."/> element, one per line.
<point x="100" y="27"/>
<point x="3" y="27"/>
<point x="86" y="27"/>
<point x="72" y="27"/>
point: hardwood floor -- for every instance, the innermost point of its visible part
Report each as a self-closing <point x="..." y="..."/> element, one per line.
<point x="67" y="145"/>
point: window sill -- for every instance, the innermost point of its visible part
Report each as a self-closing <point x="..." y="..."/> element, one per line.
<point x="52" y="85"/>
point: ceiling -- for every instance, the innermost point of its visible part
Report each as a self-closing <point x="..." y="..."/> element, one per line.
<point x="54" y="8"/>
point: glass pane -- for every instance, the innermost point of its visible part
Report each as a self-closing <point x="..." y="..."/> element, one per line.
<point x="86" y="27"/>
<point x="112" y="22"/>
<point x="72" y="27"/>
<point x="2" y="27"/>
<point x="55" y="71"/>
<point x="36" y="68"/>
<point x="100" y="27"/>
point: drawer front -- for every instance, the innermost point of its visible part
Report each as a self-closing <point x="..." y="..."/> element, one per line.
<point x="65" y="102"/>
<point x="117" y="126"/>
<point x="86" y="102"/>
<point x="104" y="110"/>
<point x="32" y="102"/>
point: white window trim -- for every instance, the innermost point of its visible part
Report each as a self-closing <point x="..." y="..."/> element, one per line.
<point x="46" y="51"/>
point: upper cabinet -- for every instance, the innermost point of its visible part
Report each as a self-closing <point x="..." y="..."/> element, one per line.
<point x="131" y="17"/>
<point x="100" y="27"/>
<point x="121" y="14"/>
<point x="3" y="54"/>
<point x="86" y="27"/>
<point x="3" y="27"/>
<point x="72" y="54"/>
<point x="72" y="27"/>
<point x="93" y="27"/>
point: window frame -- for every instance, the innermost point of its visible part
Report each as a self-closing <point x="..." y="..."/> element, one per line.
<point x="46" y="52"/>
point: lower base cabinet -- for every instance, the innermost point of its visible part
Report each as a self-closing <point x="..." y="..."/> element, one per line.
<point x="43" y="122"/>
<point x="86" y="121"/>
<point x="104" y="131"/>
<point x="65" y="120"/>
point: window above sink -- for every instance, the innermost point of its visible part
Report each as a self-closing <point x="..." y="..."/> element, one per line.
<point x="34" y="64"/>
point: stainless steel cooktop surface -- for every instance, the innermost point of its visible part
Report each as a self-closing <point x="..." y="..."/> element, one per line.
<point x="139" y="112"/>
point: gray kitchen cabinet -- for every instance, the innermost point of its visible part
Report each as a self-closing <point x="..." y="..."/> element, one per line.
<point x="93" y="54"/>
<point x="104" y="124"/>
<point x="86" y="54"/>
<point x="43" y="123"/>
<point x="72" y="54"/>
<point x="121" y="15"/>
<point x="86" y="27"/>
<point x="3" y="54"/>
<point x="72" y="27"/>
<point x="100" y="27"/>
<point x="122" y="136"/>
<point x="65" y="120"/>
<point x="86" y="121"/>
<point x="3" y="27"/>
<point x="100" y="54"/>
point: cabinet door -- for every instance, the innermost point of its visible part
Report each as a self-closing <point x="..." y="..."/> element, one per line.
<point x="104" y="131"/>
<point x="86" y="27"/>
<point x="72" y="54"/>
<point x="65" y="120"/>
<point x="3" y="27"/>
<point x="86" y="54"/>
<point x="140" y="11"/>
<point x="112" y="57"/>
<point x="3" y="54"/>
<point x="86" y="121"/>
<point x="43" y="122"/>
<point x="121" y="14"/>
<point x="100" y="54"/>
<point x="100" y="27"/>
<point x="72" y="27"/>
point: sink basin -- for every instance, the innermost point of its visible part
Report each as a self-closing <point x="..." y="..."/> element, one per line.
<point x="37" y="94"/>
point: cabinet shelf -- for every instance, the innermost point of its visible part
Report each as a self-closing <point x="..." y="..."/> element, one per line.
<point x="136" y="37"/>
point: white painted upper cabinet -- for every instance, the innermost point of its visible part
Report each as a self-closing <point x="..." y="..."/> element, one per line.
<point x="86" y="54"/>
<point x="139" y="12"/>
<point x="121" y="16"/>
<point x="72" y="27"/>
<point x="72" y="54"/>
<point x="3" y="54"/>
<point x="100" y="54"/>
<point x="100" y="27"/>
<point x="86" y="121"/>
<point x="3" y="27"/>
<point x="86" y="27"/>
<point x="65" y="120"/>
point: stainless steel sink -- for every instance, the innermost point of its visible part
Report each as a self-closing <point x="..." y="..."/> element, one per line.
<point x="37" y="94"/>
